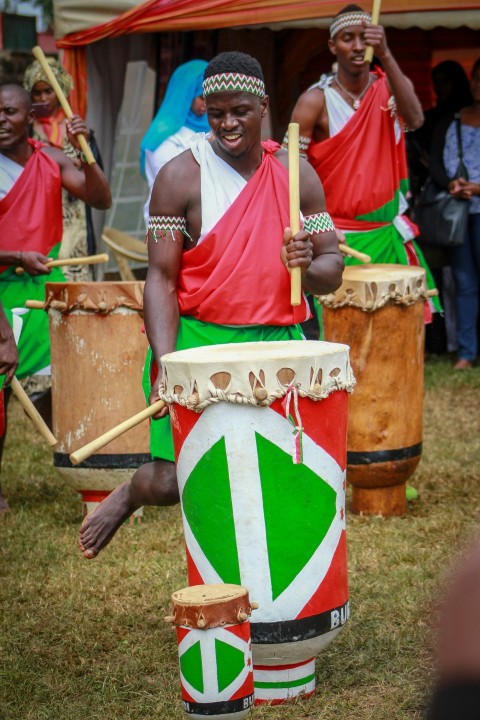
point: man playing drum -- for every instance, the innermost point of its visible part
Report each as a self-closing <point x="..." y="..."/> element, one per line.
<point x="31" y="179"/>
<point x="218" y="268"/>
<point x="352" y="125"/>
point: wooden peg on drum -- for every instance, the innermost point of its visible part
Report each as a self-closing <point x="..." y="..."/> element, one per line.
<point x="63" y="262"/>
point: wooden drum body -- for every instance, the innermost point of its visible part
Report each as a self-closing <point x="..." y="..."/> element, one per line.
<point x="379" y="312"/>
<point x="97" y="356"/>
<point x="214" y="650"/>
<point x="260" y="440"/>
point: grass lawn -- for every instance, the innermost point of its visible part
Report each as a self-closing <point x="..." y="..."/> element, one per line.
<point x="86" y="640"/>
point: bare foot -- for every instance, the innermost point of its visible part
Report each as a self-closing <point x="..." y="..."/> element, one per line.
<point x="154" y="483"/>
<point x="101" y="524"/>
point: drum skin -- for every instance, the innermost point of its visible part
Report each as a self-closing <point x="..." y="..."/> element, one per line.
<point x="386" y="410"/>
<point x="97" y="356"/>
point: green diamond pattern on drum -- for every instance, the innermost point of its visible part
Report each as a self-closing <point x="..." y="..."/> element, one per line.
<point x="191" y="666"/>
<point x="230" y="663"/>
<point x="210" y="478"/>
<point x="293" y="532"/>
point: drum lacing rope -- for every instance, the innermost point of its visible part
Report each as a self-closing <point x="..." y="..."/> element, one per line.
<point x="219" y="395"/>
<point x="395" y="296"/>
<point x="292" y="394"/>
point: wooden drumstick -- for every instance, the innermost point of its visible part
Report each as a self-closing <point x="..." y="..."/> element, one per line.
<point x="368" y="57"/>
<point x="61" y="262"/>
<point x="294" y="194"/>
<point x="37" y="52"/>
<point x="347" y="250"/>
<point x="35" y="304"/>
<point x="32" y="412"/>
<point x="92" y="447"/>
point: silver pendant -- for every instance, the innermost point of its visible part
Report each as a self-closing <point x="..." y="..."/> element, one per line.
<point x="356" y="104"/>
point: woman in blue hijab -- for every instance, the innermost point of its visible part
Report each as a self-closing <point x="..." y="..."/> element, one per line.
<point x="181" y="115"/>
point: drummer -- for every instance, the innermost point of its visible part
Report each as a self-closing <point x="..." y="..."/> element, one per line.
<point x="219" y="253"/>
<point x="31" y="179"/>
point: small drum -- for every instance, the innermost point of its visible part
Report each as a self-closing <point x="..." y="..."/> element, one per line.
<point x="259" y="431"/>
<point x="214" y="650"/>
<point x="379" y="312"/>
<point x="97" y="354"/>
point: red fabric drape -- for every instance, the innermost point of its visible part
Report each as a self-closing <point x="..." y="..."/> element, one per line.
<point x="75" y="63"/>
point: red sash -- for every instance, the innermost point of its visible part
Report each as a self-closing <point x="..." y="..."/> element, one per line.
<point x="31" y="212"/>
<point x="361" y="167"/>
<point x="235" y="275"/>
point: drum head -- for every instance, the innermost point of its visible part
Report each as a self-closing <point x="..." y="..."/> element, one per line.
<point x="212" y="594"/>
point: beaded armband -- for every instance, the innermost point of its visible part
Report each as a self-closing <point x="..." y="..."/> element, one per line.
<point x="303" y="144"/>
<point x="318" y="223"/>
<point x="160" y="225"/>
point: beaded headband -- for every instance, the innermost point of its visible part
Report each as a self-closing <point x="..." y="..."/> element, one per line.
<point x="348" y="19"/>
<point x="233" y="82"/>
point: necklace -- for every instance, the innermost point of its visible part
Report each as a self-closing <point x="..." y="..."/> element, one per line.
<point x="356" y="98"/>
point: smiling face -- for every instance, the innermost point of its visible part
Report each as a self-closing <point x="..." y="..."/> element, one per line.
<point x="16" y="116"/>
<point x="235" y="119"/>
<point x="349" y="46"/>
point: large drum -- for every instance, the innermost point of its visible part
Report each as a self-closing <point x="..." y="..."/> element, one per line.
<point x="379" y="312"/>
<point x="260" y="441"/>
<point x="214" y="650"/>
<point x="97" y="356"/>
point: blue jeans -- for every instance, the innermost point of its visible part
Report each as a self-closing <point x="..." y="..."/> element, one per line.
<point x="465" y="261"/>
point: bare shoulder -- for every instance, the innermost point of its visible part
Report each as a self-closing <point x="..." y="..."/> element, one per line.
<point x="310" y="103"/>
<point x="305" y="169"/>
<point x="282" y="155"/>
<point x="312" y="199"/>
<point x="176" y="185"/>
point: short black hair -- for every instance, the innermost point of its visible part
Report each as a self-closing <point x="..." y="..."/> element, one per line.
<point x="23" y="94"/>
<point x="349" y="9"/>
<point x="234" y="62"/>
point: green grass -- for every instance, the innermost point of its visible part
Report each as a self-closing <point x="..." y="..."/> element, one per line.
<point x="85" y="639"/>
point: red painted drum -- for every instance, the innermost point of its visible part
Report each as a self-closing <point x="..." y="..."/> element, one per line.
<point x="379" y="312"/>
<point x="97" y="357"/>
<point x="260" y="440"/>
<point x="214" y="650"/>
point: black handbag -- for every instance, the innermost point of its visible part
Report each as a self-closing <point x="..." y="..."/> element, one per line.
<point x="442" y="218"/>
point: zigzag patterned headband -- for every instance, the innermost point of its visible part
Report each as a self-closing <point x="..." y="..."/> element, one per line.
<point x="234" y="82"/>
<point x="348" y="19"/>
